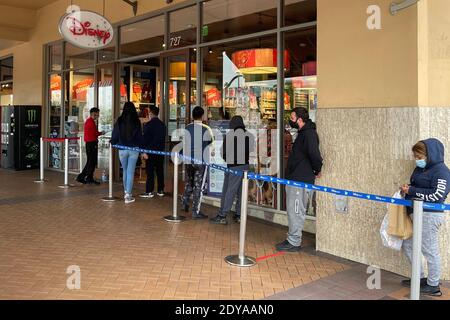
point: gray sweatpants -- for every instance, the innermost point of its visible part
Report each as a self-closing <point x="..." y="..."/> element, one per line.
<point x="296" y="205"/>
<point x="232" y="188"/>
<point x="430" y="246"/>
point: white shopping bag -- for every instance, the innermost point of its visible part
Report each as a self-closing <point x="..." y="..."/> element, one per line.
<point x="389" y="241"/>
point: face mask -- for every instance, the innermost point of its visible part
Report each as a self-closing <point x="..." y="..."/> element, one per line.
<point x="421" y="163"/>
<point x="293" y="124"/>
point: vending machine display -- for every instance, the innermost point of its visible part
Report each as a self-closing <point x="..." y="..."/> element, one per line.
<point x="21" y="131"/>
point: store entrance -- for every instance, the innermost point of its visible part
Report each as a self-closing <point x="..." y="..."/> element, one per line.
<point x="169" y="83"/>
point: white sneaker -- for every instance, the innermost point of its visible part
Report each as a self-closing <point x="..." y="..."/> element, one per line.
<point x="129" y="199"/>
<point x="160" y="193"/>
<point x="147" y="195"/>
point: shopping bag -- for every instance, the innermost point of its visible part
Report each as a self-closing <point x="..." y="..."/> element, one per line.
<point x="391" y="242"/>
<point x="400" y="225"/>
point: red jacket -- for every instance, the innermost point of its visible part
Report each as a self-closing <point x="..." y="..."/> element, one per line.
<point x="91" y="133"/>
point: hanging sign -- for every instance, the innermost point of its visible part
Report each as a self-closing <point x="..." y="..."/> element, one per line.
<point x="86" y="29"/>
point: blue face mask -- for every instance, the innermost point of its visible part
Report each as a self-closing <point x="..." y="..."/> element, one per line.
<point x="421" y="163"/>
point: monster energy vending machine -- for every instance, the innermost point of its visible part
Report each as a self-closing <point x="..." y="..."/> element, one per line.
<point x="20" y="134"/>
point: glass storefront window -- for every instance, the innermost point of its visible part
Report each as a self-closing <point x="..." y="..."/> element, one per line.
<point x="56" y="57"/>
<point x="6" y="69"/>
<point x="241" y="79"/>
<point x="299" y="11"/>
<point x="183" y="27"/>
<point x="105" y="121"/>
<point x="107" y="54"/>
<point x="228" y="18"/>
<point x="142" y="37"/>
<point x="55" y="113"/>
<point x="78" y="58"/>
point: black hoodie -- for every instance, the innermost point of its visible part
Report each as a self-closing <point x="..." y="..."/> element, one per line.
<point x="431" y="184"/>
<point x="239" y="143"/>
<point x="305" y="160"/>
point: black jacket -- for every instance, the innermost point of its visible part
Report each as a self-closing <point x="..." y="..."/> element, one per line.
<point x="155" y="135"/>
<point x="241" y="151"/>
<point x="135" y="141"/>
<point x="305" y="160"/>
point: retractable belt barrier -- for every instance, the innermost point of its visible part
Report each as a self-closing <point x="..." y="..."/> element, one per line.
<point x="66" y="158"/>
<point x="254" y="176"/>
<point x="244" y="261"/>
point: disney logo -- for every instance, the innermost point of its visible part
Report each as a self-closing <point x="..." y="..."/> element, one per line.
<point x="79" y="28"/>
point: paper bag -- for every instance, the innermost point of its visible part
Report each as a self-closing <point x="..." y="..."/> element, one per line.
<point x="400" y="225"/>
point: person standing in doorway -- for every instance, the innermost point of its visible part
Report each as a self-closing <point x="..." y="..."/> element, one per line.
<point x="304" y="165"/>
<point x="154" y="139"/>
<point x="238" y="143"/>
<point x="196" y="141"/>
<point x="91" y="135"/>
<point x="429" y="182"/>
<point x="128" y="132"/>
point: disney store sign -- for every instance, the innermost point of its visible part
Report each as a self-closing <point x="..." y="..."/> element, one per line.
<point x="86" y="29"/>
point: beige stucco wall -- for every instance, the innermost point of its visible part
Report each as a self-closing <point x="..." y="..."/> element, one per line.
<point x="379" y="92"/>
<point x="28" y="57"/>
<point x="434" y="53"/>
<point x="360" y="68"/>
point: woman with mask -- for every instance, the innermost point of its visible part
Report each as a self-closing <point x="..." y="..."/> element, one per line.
<point x="430" y="182"/>
<point x="128" y="132"/>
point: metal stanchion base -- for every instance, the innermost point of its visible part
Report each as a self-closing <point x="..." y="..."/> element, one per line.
<point x="40" y="181"/>
<point x="236" y="261"/>
<point x="175" y="219"/>
<point x="110" y="199"/>
<point x="66" y="186"/>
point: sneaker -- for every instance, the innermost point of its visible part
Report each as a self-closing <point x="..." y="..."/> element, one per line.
<point x="94" y="182"/>
<point x="237" y="219"/>
<point x="199" y="216"/>
<point x="287" y="247"/>
<point x="407" y="283"/>
<point x="80" y="180"/>
<point x="160" y="193"/>
<point x="129" y="199"/>
<point x="219" y="220"/>
<point x="434" y="291"/>
<point x="147" y="195"/>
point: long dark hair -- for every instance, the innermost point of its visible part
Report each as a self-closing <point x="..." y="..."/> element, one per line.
<point x="128" y="121"/>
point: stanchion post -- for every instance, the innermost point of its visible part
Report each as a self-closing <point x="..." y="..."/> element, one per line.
<point x="66" y="184"/>
<point x="175" y="217"/>
<point x="41" y="162"/>
<point x="241" y="260"/>
<point x="417" y="249"/>
<point x="110" y="197"/>
<point x="80" y="144"/>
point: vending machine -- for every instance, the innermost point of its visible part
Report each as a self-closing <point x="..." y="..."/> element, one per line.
<point x="20" y="134"/>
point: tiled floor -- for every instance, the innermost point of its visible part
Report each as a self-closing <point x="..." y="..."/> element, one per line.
<point x="130" y="252"/>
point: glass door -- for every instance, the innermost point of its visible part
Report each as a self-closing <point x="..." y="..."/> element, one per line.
<point x="178" y="77"/>
<point x="179" y="92"/>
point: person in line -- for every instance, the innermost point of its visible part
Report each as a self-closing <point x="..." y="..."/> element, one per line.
<point x="304" y="165"/>
<point x="91" y="135"/>
<point x="430" y="182"/>
<point x="238" y="143"/>
<point x="154" y="139"/>
<point x="128" y="132"/>
<point x="196" y="141"/>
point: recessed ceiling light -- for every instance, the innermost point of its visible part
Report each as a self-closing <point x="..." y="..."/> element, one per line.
<point x="210" y="51"/>
<point x="145" y="61"/>
<point x="302" y="45"/>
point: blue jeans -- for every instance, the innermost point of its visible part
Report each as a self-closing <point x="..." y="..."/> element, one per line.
<point x="128" y="159"/>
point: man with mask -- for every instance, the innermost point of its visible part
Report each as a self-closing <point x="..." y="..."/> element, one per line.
<point x="304" y="165"/>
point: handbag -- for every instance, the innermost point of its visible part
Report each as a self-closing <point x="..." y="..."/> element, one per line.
<point x="400" y="224"/>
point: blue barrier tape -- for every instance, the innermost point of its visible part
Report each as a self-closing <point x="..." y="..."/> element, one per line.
<point x="254" y="176"/>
